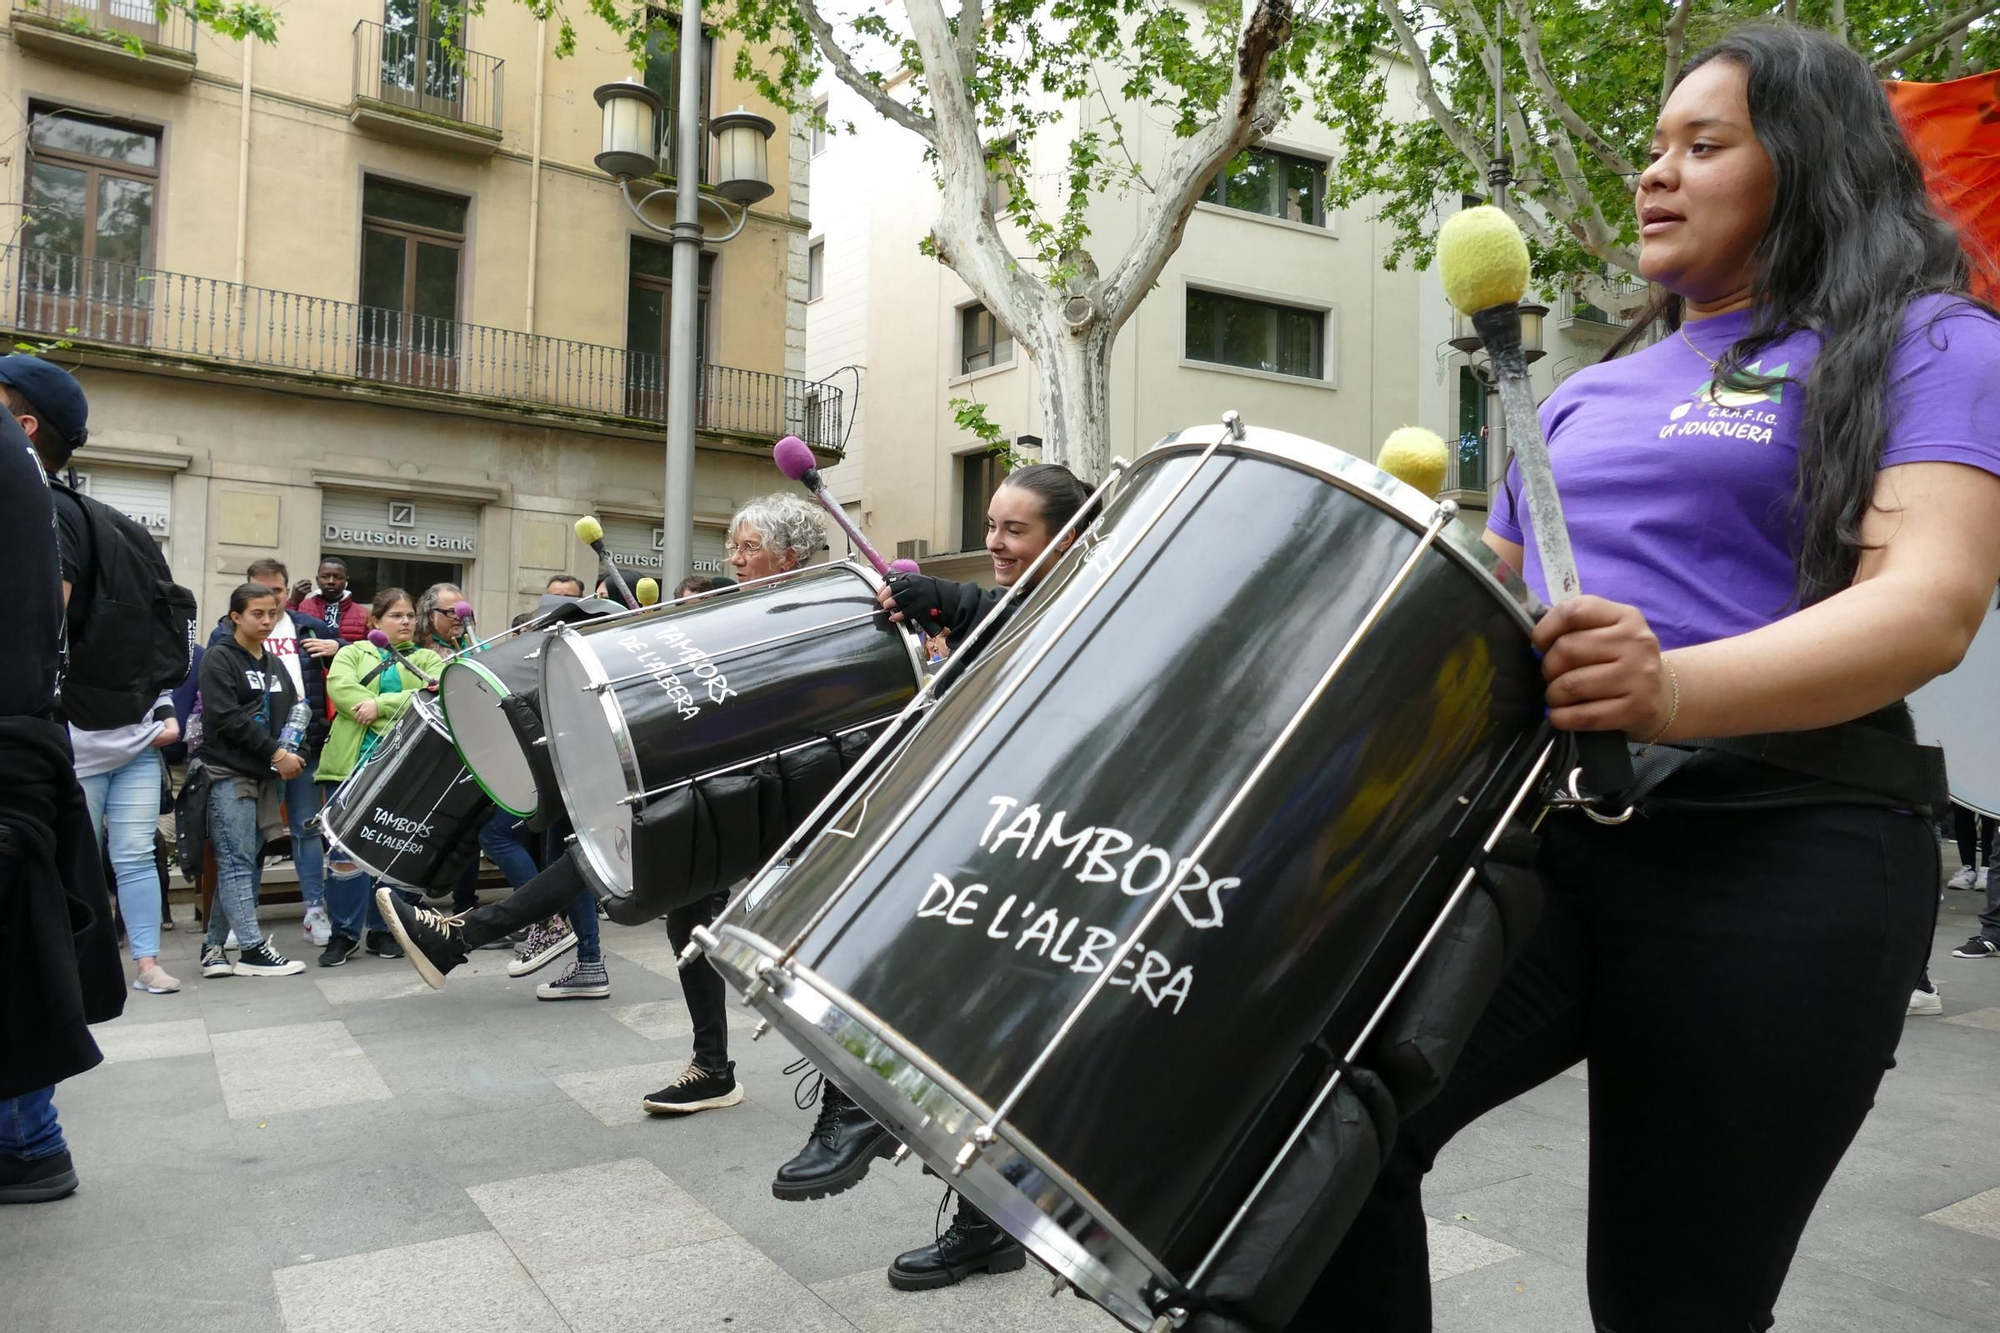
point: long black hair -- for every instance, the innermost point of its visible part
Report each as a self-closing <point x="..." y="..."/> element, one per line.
<point x="1852" y="241"/>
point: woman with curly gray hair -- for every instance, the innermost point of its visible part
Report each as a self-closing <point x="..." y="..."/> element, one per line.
<point x="774" y="533"/>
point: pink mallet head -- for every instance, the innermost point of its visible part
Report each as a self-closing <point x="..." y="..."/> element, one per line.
<point x="793" y="457"/>
<point x="378" y="638"/>
<point x="462" y="610"/>
<point x="903" y="567"/>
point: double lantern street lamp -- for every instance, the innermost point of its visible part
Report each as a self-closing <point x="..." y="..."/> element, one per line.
<point x="630" y="154"/>
<point x="1466" y="339"/>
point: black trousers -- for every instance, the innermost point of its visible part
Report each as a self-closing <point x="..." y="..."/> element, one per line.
<point x="702" y="985"/>
<point x="1974" y="835"/>
<point x="547" y="894"/>
<point x="1738" y="983"/>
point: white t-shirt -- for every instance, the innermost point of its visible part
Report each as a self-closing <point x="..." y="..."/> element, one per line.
<point x="284" y="645"/>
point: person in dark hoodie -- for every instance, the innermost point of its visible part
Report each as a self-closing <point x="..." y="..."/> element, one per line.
<point x="59" y="967"/>
<point x="246" y="695"/>
<point x="304" y="645"/>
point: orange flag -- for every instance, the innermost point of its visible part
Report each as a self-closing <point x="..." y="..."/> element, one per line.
<point x="1955" y="129"/>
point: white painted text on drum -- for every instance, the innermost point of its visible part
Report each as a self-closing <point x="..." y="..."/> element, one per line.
<point x="693" y="660"/>
<point x="1146" y="871"/>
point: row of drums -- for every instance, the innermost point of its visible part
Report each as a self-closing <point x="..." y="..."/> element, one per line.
<point x="595" y="712"/>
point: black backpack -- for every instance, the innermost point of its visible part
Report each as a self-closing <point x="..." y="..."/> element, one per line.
<point x="135" y="635"/>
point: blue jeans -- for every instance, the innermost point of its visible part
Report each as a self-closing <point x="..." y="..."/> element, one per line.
<point x="302" y="801"/>
<point x="582" y="911"/>
<point x="129" y="798"/>
<point x="28" y="1128"/>
<point x="504" y="839"/>
<point x="232" y="830"/>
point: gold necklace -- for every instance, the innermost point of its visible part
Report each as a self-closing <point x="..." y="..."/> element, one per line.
<point x="1713" y="364"/>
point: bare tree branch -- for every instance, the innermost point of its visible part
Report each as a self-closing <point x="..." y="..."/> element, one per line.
<point x="1942" y="31"/>
<point x="1839" y="19"/>
<point x="1791" y="11"/>
<point x="852" y="75"/>
<point x="1677" y="32"/>
<point x="1529" y="34"/>
<point x="1252" y="107"/>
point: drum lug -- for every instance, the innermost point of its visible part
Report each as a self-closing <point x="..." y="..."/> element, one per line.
<point x="769" y="977"/>
<point x="763" y="1026"/>
<point x="1232" y="422"/>
<point x="542" y="741"/>
<point x="1169" y="1321"/>
<point x="982" y="1138"/>
<point x="901" y="1155"/>
<point x="1061" y="1285"/>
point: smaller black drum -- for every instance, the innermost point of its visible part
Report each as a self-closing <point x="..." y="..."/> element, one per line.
<point x="473" y="690"/>
<point x="404" y="812"/>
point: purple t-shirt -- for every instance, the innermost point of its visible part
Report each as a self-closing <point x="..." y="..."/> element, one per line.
<point x="1677" y="502"/>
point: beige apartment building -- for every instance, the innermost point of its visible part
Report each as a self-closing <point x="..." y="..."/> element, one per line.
<point x="349" y="294"/>
<point x="1273" y="306"/>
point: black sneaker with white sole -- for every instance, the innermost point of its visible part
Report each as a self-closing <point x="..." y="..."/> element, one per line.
<point x="1977" y="947"/>
<point x="697" y="1089"/>
<point x="338" y="950"/>
<point x="383" y="944"/>
<point x="261" y="960"/>
<point x="435" y="943"/>
<point x="215" y="962"/>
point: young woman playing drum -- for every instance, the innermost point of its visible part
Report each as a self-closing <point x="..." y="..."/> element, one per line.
<point x="1030" y="508"/>
<point x="1789" y="508"/>
<point x="369" y="691"/>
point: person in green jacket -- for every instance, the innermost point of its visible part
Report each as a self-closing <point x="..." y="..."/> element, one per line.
<point x="365" y="707"/>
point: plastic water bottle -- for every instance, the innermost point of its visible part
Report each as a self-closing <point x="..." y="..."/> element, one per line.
<point x="294" y="734"/>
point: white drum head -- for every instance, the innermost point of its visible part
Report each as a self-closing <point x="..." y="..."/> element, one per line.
<point x="470" y="696"/>
<point x="1961" y="712"/>
<point x="593" y="757"/>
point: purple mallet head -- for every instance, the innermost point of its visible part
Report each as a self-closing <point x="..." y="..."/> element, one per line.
<point x="793" y="457"/>
<point x="462" y="610"/>
<point x="378" y="638"/>
<point x="902" y="566"/>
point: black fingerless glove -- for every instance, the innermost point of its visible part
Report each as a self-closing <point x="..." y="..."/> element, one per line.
<point x="919" y="597"/>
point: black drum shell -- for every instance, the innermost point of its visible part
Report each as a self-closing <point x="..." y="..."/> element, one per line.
<point x="785" y="663"/>
<point x="1165" y="688"/>
<point x="403" y="813"/>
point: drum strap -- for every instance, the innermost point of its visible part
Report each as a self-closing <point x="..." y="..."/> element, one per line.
<point x="1854" y="763"/>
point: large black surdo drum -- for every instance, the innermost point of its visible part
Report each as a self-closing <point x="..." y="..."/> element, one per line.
<point x="493" y="738"/>
<point x="1261" y="718"/>
<point x="404" y="814"/>
<point x="641" y="708"/>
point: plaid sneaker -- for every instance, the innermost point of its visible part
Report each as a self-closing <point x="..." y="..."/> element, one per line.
<point x="583" y="981"/>
<point x="547" y="941"/>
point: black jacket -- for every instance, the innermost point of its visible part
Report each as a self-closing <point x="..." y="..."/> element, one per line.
<point x="312" y="671"/>
<point x="239" y="731"/>
<point x="59" y="964"/>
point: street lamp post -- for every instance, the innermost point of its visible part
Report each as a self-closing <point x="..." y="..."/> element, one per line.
<point x="1467" y="340"/>
<point x="630" y="153"/>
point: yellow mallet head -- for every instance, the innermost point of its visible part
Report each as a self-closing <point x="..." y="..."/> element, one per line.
<point x="1483" y="259"/>
<point x="589" y="530"/>
<point x="1416" y="457"/>
<point x="647" y="591"/>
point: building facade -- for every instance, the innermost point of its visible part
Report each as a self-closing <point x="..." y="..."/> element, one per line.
<point x="356" y="293"/>
<point x="1273" y="306"/>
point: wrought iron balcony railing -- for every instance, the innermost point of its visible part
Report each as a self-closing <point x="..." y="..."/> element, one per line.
<point x="115" y="20"/>
<point x="418" y="73"/>
<point x="47" y="295"/>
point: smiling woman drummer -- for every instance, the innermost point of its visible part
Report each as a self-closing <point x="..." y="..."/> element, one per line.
<point x="1790" y="506"/>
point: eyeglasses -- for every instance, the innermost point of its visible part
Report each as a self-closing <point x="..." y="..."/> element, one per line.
<point x="744" y="549"/>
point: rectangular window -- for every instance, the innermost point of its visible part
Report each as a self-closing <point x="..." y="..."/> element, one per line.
<point x="816" y="271"/>
<point x="819" y="127"/>
<point x="982" y="341"/>
<point x="1279" y="185"/>
<point x="88" y="229"/>
<point x="1469" y="461"/>
<point x="979" y="476"/>
<point x="649" y="326"/>
<point x="1256" y="335"/>
<point x="411" y="243"/>
<point x="663" y="76"/>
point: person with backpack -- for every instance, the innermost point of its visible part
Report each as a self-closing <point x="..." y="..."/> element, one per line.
<point x="129" y="632"/>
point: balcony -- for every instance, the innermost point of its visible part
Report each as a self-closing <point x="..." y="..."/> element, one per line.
<point x="1575" y="315"/>
<point x="128" y="37"/>
<point x="1466" y="479"/>
<point x="317" y="345"/>
<point x="417" y="90"/>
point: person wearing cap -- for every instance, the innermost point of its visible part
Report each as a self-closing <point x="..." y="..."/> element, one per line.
<point x="119" y="767"/>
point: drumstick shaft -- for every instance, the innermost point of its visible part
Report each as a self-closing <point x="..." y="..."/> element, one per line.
<point x="1606" y="762"/>
<point x="848" y="526"/>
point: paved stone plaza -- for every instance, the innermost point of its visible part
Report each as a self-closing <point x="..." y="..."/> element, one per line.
<point x="349" y="1152"/>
